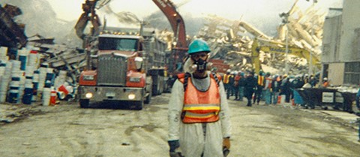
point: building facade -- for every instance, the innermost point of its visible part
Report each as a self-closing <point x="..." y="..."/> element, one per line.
<point x="341" y="45"/>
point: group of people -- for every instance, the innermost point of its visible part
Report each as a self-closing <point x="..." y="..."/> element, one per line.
<point x="264" y="86"/>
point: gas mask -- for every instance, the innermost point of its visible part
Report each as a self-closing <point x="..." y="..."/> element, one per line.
<point x="201" y="65"/>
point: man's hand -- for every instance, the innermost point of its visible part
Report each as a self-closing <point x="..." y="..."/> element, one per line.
<point x="173" y="145"/>
<point x="226" y="142"/>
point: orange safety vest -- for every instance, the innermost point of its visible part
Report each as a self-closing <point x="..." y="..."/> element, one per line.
<point x="261" y="80"/>
<point x="326" y="84"/>
<point x="226" y="78"/>
<point x="270" y="81"/>
<point x="201" y="107"/>
<point x="237" y="79"/>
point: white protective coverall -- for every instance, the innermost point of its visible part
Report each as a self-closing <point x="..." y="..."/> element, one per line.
<point x="191" y="136"/>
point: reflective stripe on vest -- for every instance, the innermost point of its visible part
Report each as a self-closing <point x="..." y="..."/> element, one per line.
<point x="261" y="80"/>
<point x="201" y="107"/>
<point x="226" y="78"/>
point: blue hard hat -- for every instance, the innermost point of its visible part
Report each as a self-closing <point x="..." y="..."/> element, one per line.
<point x="198" y="45"/>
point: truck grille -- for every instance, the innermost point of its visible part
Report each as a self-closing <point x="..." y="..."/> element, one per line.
<point x="112" y="70"/>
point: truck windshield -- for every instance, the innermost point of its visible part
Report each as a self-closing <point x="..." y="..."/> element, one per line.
<point x="118" y="44"/>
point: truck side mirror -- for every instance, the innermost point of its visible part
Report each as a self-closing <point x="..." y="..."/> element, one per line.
<point x="138" y="62"/>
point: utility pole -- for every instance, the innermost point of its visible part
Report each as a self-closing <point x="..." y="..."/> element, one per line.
<point x="285" y="21"/>
<point x="312" y="34"/>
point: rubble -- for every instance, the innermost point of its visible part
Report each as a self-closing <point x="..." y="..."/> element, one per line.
<point x="11" y="113"/>
<point x="232" y="40"/>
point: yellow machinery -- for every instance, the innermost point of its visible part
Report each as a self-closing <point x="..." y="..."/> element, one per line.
<point x="274" y="47"/>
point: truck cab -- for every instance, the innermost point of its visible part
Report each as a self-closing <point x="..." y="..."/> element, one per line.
<point x="119" y="73"/>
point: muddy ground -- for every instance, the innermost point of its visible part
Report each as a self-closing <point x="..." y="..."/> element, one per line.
<point x="67" y="130"/>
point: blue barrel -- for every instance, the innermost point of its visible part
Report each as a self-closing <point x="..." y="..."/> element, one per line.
<point x="27" y="97"/>
<point x="23" y="59"/>
<point x="15" y="78"/>
<point x="2" y="64"/>
<point x="13" y="96"/>
<point x="49" y="80"/>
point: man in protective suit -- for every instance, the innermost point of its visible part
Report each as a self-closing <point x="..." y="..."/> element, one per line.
<point x="199" y="116"/>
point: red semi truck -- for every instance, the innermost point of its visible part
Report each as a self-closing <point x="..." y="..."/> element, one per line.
<point x="127" y="69"/>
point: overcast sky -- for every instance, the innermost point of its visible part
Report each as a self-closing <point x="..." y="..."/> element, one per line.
<point x="233" y="9"/>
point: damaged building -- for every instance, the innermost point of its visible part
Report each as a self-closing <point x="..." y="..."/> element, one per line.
<point x="340" y="57"/>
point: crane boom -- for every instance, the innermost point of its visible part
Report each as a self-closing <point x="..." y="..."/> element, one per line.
<point x="176" y="22"/>
<point x="179" y="50"/>
<point x="273" y="47"/>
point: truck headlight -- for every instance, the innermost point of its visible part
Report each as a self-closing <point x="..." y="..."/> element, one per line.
<point x="131" y="96"/>
<point x="135" y="79"/>
<point x="88" y="77"/>
<point x="88" y="95"/>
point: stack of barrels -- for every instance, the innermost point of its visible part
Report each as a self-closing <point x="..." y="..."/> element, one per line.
<point x="25" y="80"/>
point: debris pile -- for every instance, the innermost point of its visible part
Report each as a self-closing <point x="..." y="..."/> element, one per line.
<point x="232" y="41"/>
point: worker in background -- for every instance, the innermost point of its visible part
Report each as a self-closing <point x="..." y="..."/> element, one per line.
<point x="231" y="84"/>
<point x="250" y="87"/>
<point x="285" y="87"/>
<point x="267" y="87"/>
<point x="226" y="80"/>
<point x="236" y="85"/>
<point x="306" y="78"/>
<point x="259" y="87"/>
<point x="199" y="115"/>
<point x="241" y="86"/>
<point x="325" y="83"/>
<point x="297" y="84"/>
<point x="313" y="81"/>
<point x="275" y="88"/>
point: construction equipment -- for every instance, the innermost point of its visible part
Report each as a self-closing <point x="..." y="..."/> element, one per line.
<point x="278" y="48"/>
<point x="124" y="64"/>
<point x="89" y="14"/>
<point x="180" y="48"/>
<point x="11" y="33"/>
<point x="127" y="65"/>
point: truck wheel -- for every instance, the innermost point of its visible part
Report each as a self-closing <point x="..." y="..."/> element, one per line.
<point x="84" y="103"/>
<point x="139" y="105"/>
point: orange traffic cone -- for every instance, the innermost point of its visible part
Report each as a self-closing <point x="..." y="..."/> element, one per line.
<point x="279" y="99"/>
<point x="53" y="97"/>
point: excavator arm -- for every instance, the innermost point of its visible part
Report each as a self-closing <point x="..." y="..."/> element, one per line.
<point x="178" y="27"/>
<point x="89" y="14"/>
<point x="176" y="22"/>
<point x="12" y="34"/>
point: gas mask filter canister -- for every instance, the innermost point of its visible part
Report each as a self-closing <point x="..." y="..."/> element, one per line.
<point x="201" y="65"/>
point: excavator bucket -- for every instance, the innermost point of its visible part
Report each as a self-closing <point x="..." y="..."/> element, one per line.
<point x="80" y="25"/>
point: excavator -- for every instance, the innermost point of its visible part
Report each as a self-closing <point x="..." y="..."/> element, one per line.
<point x="89" y="14"/>
<point x="12" y="34"/>
<point x="278" y="48"/>
<point x="178" y="26"/>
